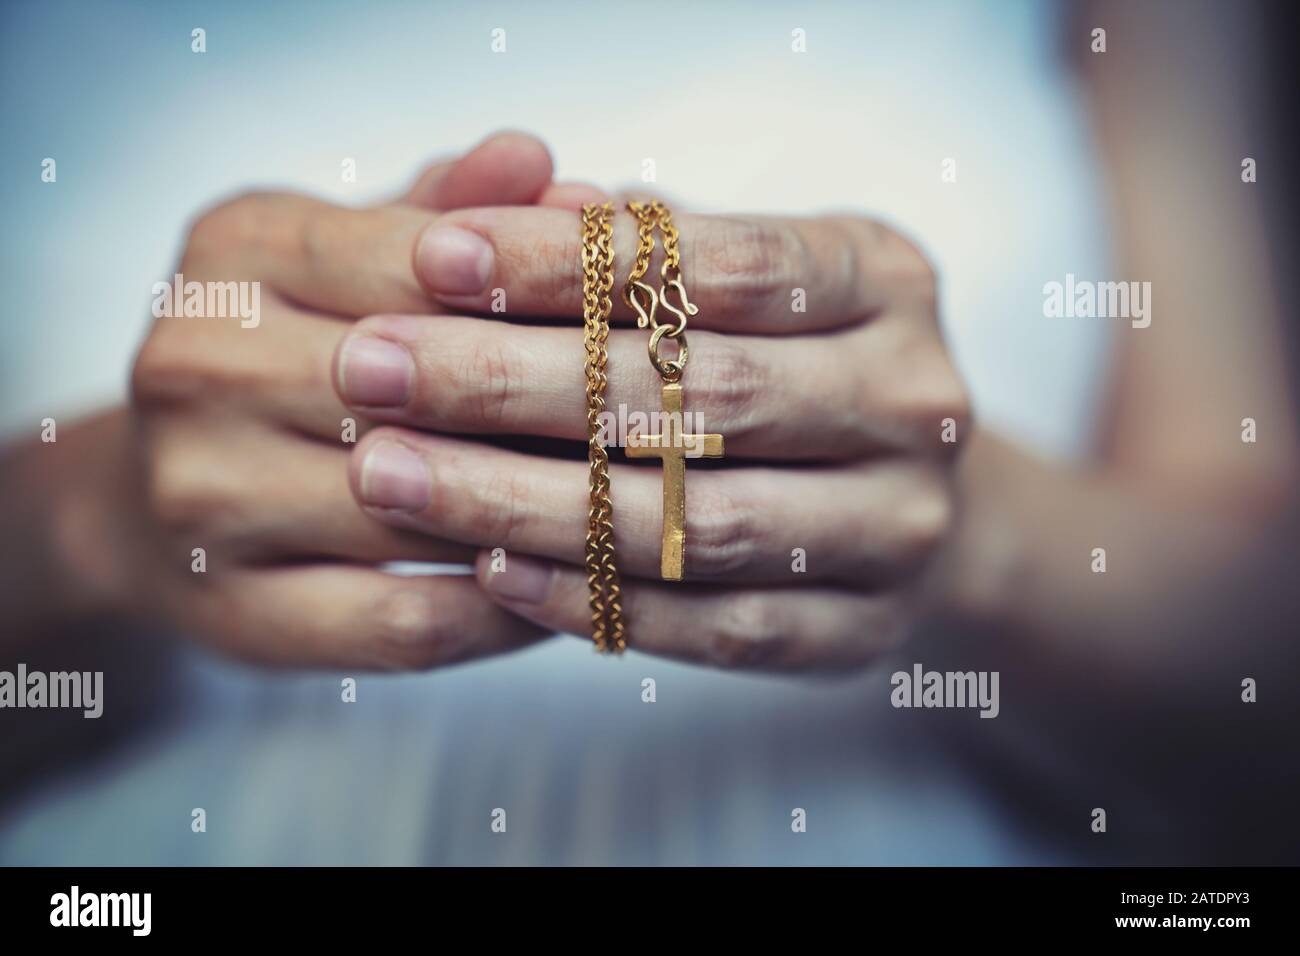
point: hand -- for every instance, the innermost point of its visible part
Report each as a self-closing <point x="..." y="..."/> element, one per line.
<point x="833" y="419"/>
<point x="240" y="435"/>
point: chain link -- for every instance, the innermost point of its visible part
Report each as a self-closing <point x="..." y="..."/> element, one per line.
<point x="651" y="216"/>
<point x="640" y="297"/>
<point x="605" y="592"/>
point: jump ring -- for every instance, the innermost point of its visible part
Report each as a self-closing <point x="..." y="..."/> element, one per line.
<point x="669" y="369"/>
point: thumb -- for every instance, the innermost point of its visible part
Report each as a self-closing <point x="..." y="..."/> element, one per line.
<point x="506" y="169"/>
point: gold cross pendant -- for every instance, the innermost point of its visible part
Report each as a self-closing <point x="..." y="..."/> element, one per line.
<point x="674" y="448"/>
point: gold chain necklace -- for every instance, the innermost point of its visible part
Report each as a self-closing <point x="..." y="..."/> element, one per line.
<point x="605" y="593"/>
<point x="673" y="445"/>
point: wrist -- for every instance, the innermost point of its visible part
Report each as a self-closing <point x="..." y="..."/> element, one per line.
<point x="62" y="526"/>
<point x="985" y="562"/>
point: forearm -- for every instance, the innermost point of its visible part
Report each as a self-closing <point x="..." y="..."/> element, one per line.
<point x="1177" y="571"/>
<point x="58" y="526"/>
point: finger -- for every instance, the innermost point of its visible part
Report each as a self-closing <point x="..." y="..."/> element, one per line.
<point x="506" y="169"/>
<point x="753" y="274"/>
<point x="479" y="376"/>
<point x="345" y="262"/>
<point x="777" y="629"/>
<point x="257" y="495"/>
<point x="339" y="616"/>
<point x="279" y="371"/>
<point x="758" y="275"/>
<point x="863" y="525"/>
<point x="571" y="196"/>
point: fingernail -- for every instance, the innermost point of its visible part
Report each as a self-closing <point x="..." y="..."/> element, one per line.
<point x="522" y="579"/>
<point x="394" y="476"/>
<point x="454" y="261"/>
<point x="375" y="372"/>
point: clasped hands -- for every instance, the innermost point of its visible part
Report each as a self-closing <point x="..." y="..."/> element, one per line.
<point x="447" y="325"/>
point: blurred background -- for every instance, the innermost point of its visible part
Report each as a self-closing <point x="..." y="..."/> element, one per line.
<point x="147" y="133"/>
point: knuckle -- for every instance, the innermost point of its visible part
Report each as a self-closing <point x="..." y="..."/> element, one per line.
<point x="560" y="282"/>
<point x="259" y="227"/>
<point x="181" y="364"/>
<point x="905" y="267"/>
<point x="732" y="383"/>
<point x="322" y="233"/>
<point x="954" y="405"/>
<point x="940" y="412"/>
<point x="178" y="502"/>
<point x="412" y="630"/>
<point x="477" y="390"/>
<point x="501" y="507"/>
<point x="232" y="223"/>
<point x="745" y="632"/>
<point x="166" y="370"/>
<point x="727" y="536"/>
<point x="926" y="520"/>
<point x="747" y="266"/>
<point x="148" y="373"/>
<point x="545" y="265"/>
